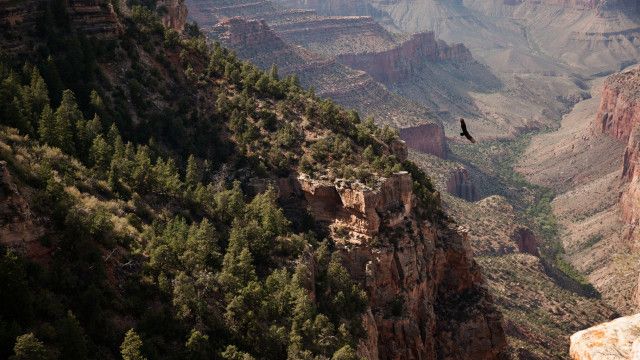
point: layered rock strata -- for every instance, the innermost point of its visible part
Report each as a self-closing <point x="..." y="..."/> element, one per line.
<point x="399" y="63"/>
<point x="619" y="116"/>
<point x="427" y="298"/>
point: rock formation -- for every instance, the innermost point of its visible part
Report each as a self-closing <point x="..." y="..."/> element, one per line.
<point x="427" y="138"/>
<point x="400" y="62"/>
<point x="460" y="185"/>
<point x="619" y="116"/>
<point x="526" y="241"/>
<point x="615" y="340"/>
<point x="173" y="13"/>
<point x="427" y="298"/>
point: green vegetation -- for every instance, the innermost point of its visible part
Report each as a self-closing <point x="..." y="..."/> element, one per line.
<point x="156" y="245"/>
<point x="533" y="202"/>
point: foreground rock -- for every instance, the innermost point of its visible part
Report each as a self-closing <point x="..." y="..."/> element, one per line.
<point x="615" y="340"/>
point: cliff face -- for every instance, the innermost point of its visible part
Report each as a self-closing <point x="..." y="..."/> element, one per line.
<point x="619" y="110"/>
<point x="630" y="200"/>
<point x="174" y="13"/>
<point x="619" y="116"/>
<point x="18" y="20"/>
<point x="427" y="138"/>
<point x="400" y="62"/>
<point x="460" y="185"/>
<point x="427" y="298"/>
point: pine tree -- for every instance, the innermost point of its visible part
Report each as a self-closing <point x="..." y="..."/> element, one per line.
<point x="273" y="72"/>
<point x="72" y="338"/>
<point x="67" y="116"/>
<point x="131" y="348"/>
<point x="198" y="345"/>
<point x="39" y="93"/>
<point x="46" y="126"/>
<point x="28" y="347"/>
<point x="94" y="127"/>
<point x="100" y="153"/>
<point x="193" y="173"/>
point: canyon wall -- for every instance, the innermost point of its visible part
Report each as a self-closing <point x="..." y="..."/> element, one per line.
<point x="426" y="138"/>
<point x="460" y="185"/>
<point x="619" y="117"/>
<point x="400" y="62"/>
<point x="427" y="298"/>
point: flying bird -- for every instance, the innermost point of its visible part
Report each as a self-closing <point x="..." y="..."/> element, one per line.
<point x="465" y="133"/>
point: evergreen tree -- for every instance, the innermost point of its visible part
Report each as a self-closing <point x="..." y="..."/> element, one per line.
<point x="198" y="346"/>
<point x="100" y="153"/>
<point x="47" y="127"/>
<point x="131" y="348"/>
<point x="67" y="116"/>
<point x="94" y="127"/>
<point x="39" y="93"/>
<point x="72" y="339"/>
<point x="28" y="347"/>
<point x="193" y="173"/>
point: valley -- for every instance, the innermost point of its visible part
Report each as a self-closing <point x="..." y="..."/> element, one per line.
<point x="539" y="196"/>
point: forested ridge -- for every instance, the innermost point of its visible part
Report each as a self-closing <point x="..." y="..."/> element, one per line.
<point x="136" y="155"/>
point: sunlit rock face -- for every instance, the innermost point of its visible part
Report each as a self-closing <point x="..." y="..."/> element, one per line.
<point x="619" y="116"/>
<point x="615" y="340"/>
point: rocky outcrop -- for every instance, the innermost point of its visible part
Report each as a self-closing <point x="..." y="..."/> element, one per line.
<point x="173" y="13"/>
<point x="427" y="298"/>
<point x="615" y="340"/>
<point x="94" y="18"/>
<point x="402" y="61"/>
<point x="619" y="110"/>
<point x="460" y="185"/>
<point x="427" y="138"/>
<point x="247" y="36"/>
<point x="526" y="241"/>
<point x="356" y="212"/>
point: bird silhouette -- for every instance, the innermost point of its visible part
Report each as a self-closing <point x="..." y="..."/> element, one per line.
<point x="464" y="132"/>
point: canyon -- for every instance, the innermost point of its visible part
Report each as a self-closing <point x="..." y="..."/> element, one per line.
<point x="514" y="67"/>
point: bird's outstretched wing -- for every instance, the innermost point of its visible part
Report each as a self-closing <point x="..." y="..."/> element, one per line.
<point x="464" y="132"/>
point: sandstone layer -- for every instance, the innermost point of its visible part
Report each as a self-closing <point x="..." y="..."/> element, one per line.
<point x="401" y="62"/>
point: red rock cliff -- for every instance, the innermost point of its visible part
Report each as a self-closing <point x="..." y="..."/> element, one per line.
<point x="619" y="116"/>
<point x="427" y="298"/>
<point x="400" y="62"/>
<point x="427" y="138"/>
